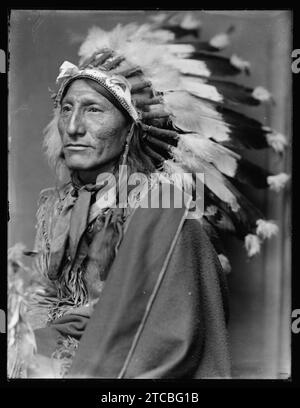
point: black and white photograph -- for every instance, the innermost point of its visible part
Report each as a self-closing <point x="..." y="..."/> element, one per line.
<point x="149" y="194"/>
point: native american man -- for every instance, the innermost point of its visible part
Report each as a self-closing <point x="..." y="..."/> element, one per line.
<point x="143" y="294"/>
<point x="130" y="291"/>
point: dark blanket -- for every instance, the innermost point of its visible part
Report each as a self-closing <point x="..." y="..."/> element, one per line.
<point x="162" y="311"/>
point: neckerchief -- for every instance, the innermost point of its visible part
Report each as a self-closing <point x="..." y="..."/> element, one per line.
<point x="72" y="222"/>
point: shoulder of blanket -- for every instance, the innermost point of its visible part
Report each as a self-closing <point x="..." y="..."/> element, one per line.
<point x="199" y="230"/>
<point x="210" y="237"/>
<point x="45" y="205"/>
<point x="202" y="226"/>
<point x="51" y="194"/>
<point x="46" y="195"/>
<point x="48" y="202"/>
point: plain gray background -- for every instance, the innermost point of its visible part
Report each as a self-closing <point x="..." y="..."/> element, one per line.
<point x="260" y="288"/>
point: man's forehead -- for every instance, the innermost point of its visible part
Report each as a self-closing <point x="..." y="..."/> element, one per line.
<point x="82" y="90"/>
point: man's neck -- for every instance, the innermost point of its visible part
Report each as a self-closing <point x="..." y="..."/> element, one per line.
<point x="90" y="176"/>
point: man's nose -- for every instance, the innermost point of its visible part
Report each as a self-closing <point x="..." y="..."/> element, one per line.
<point x="76" y="125"/>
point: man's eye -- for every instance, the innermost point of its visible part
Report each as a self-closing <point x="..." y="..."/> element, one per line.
<point x="94" y="109"/>
<point x="66" y="108"/>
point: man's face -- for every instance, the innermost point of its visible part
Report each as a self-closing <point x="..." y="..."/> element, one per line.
<point x="92" y="129"/>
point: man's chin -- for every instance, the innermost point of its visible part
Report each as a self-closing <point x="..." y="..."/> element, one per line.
<point x="79" y="165"/>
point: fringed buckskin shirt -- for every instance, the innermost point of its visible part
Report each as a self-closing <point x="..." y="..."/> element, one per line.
<point x="159" y="311"/>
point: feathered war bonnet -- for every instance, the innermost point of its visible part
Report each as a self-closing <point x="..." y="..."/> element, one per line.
<point x="171" y="84"/>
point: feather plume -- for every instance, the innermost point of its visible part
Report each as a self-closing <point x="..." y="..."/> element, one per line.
<point x="222" y="40"/>
<point x="224" y="223"/>
<point x="240" y="64"/>
<point x="242" y="221"/>
<point x="215" y="65"/>
<point x="182" y="25"/>
<point x="221" y="124"/>
<point x="199" y="89"/>
<point x="213" y="179"/>
<point x="232" y="92"/>
<point x="188" y="21"/>
<point x="222" y="91"/>
<point x="195" y="45"/>
<point x="278" y="181"/>
<point x="219" y="218"/>
<point x="199" y="117"/>
<point x="261" y="94"/>
<point x="252" y="244"/>
<point x="210" y="211"/>
<point x="218" y="214"/>
<point x="266" y="229"/>
<point x="242" y="131"/>
<point x="177" y="174"/>
<point x="224" y="261"/>
<point x="159" y="18"/>
<point x="252" y="174"/>
<point x="223" y="159"/>
<point x="276" y="140"/>
<point x="192" y="67"/>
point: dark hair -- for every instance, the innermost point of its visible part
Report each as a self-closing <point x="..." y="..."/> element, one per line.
<point x="137" y="159"/>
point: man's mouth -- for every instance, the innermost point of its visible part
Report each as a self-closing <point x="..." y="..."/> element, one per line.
<point x="77" y="147"/>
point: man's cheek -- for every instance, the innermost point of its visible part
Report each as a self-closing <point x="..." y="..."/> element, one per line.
<point x="108" y="145"/>
<point x="101" y="136"/>
<point x="104" y="130"/>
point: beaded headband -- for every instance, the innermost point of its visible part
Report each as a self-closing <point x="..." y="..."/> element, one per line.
<point x="118" y="87"/>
